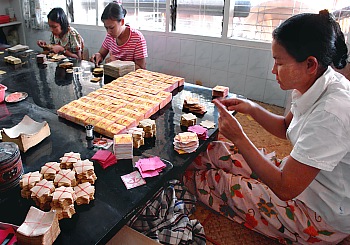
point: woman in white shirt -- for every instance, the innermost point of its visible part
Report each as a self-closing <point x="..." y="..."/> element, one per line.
<point x="305" y="199"/>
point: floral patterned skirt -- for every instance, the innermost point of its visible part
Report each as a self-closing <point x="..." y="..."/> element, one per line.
<point x="221" y="179"/>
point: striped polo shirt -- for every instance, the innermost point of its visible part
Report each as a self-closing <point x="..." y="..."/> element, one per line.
<point x="135" y="48"/>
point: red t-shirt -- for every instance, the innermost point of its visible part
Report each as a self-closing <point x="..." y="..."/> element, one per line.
<point x="135" y="47"/>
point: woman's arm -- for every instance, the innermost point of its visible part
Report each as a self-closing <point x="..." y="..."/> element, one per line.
<point x="274" y="124"/>
<point x="98" y="57"/>
<point x="287" y="182"/>
<point x="140" y="64"/>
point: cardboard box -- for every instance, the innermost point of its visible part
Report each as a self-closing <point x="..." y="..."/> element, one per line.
<point x="128" y="236"/>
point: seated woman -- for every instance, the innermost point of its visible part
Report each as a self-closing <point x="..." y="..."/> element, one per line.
<point x="64" y="38"/>
<point x="304" y="199"/>
<point x="122" y="42"/>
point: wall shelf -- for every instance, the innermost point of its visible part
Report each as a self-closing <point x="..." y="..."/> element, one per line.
<point x="13" y="23"/>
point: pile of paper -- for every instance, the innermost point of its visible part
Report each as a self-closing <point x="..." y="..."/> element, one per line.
<point x="39" y="227"/>
<point x="188" y="120"/>
<point x="63" y="199"/>
<point x="150" y="167"/>
<point x="123" y="147"/>
<point x="118" y="68"/>
<point x="149" y="127"/>
<point x="137" y="136"/>
<point x="201" y="132"/>
<point x="105" y="158"/>
<point x="220" y="91"/>
<point x="192" y="105"/>
<point x="186" y="142"/>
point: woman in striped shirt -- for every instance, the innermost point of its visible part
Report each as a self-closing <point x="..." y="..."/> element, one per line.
<point x="122" y="42"/>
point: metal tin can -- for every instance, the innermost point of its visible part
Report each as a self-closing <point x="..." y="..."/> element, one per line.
<point x="89" y="132"/>
<point x="11" y="168"/>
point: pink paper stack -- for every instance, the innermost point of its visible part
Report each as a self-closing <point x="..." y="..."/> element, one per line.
<point x="150" y="167"/>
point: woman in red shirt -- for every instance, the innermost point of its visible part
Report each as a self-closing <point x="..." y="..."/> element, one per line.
<point x="122" y="42"/>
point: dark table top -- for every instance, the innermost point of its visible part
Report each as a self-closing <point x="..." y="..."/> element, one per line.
<point x="98" y="221"/>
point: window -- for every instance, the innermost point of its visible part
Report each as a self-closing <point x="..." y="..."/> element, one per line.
<point x="256" y="19"/>
<point x="146" y="14"/>
<point x="247" y="19"/>
<point x="200" y="17"/>
<point x="83" y="11"/>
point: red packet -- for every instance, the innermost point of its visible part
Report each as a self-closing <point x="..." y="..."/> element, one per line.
<point x="105" y="158"/>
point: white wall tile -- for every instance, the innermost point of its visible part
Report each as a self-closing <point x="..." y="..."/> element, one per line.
<point x="203" y="54"/>
<point x="187" y="71"/>
<point x="236" y="83"/>
<point x="159" y="47"/>
<point x="258" y="63"/>
<point x="172" y="52"/>
<point x="220" y="57"/>
<point x="149" y="42"/>
<point x="217" y="77"/>
<point x="274" y="95"/>
<point x="255" y="88"/>
<point x="187" y="51"/>
<point x="202" y="74"/>
<point x="238" y="60"/>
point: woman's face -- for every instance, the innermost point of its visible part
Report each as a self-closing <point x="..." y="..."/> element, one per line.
<point x="113" y="27"/>
<point x="55" y="28"/>
<point x="290" y="74"/>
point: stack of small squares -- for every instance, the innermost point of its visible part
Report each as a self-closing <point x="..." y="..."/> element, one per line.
<point x="41" y="58"/>
<point x="150" y="167"/>
<point x="123" y="146"/>
<point x="50" y="169"/>
<point x="68" y="159"/>
<point x="201" y="131"/>
<point x="65" y="177"/>
<point x="220" y="91"/>
<point x="41" y="193"/>
<point x="149" y="127"/>
<point x="85" y="171"/>
<point x="188" y="119"/>
<point x="85" y="193"/>
<point x="186" y="142"/>
<point x="192" y="105"/>
<point x="118" y="68"/>
<point x="137" y="136"/>
<point x="63" y="199"/>
<point x="28" y="181"/>
<point x="38" y="228"/>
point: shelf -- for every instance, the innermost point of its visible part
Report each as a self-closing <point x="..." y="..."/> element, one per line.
<point x="10" y="24"/>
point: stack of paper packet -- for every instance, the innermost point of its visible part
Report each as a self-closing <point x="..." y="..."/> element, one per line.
<point x="118" y="68"/>
<point x="123" y="146"/>
<point x="105" y="158"/>
<point x="150" y="167"/>
<point x="39" y="227"/>
<point x="186" y="142"/>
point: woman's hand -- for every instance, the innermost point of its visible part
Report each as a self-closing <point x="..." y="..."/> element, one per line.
<point x="96" y="58"/>
<point x="229" y="127"/>
<point x="57" y="49"/>
<point x="240" y="105"/>
<point x="41" y="43"/>
<point x="111" y="58"/>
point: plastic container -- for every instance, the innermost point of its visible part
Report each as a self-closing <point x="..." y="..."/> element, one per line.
<point x="2" y="92"/>
<point x="4" y="19"/>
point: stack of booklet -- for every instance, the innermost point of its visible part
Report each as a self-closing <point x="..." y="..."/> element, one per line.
<point x="118" y="68"/>
<point x="39" y="227"/>
<point x="123" y="146"/>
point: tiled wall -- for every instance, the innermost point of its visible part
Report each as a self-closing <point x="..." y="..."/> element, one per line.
<point x="244" y="69"/>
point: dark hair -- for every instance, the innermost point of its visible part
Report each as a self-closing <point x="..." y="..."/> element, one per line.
<point x="113" y="11"/>
<point x="59" y="16"/>
<point x="317" y="35"/>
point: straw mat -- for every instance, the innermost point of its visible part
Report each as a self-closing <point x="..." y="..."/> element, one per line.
<point x="218" y="229"/>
